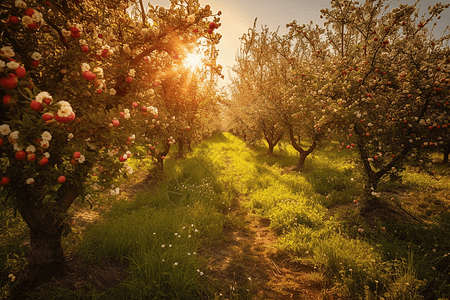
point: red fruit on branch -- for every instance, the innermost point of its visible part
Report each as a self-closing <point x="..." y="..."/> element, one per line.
<point x="4" y="181"/>
<point x="29" y="11"/>
<point x="20" y="155"/>
<point x="88" y="75"/>
<point x="20" y="72"/>
<point x="47" y="117"/>
<point x="61" y="119"/>
<point x="36" y="106"/>
<point x="13" y="20"/>
<point x="61" y="179"/>
<point x="43" y="161"/>
<point x="35" y="64"/>
<point x="8" y="82"/>
<point x="7" y="99"/>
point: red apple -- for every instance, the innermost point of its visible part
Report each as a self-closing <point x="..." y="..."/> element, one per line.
<point x="31" y="157"/>
<point x="135" y="104"/>
<point x="84" y="49"/>
<point x="210" y="30"/>
<point x="7" y="99"/>
<point x="20" y="72"/>
<point x="9" y="82"/>
<point x="88" y="75"/>
<point x="13" y="20"/>
<point x="43" y="161"/>
<point x="122" y="114"/>
<point x="47" y="117"/>
<point x="29" y="11"/>
<point x="375" y="157"/>
<point x="61" y="179"/>
<point x="212" y="25"/>
<point x="5" y="181"/>
<point x="74" y="162"/>
<point x="129" y="79"/>
<point x="144" y="108"/>
<point x="76" y="154"/>
<point x="122" y="159"/>
<point x="21" y="155"/>
<point x="35" y="64"/>
<point x="115" y="122"/>
<point x="69" y="118"/>
<point x="32" y="26"/>
<point x="36" y="106"/>
<point x="74" y="29"/>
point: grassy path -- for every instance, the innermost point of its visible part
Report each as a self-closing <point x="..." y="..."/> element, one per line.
<point x="247" y="265"/>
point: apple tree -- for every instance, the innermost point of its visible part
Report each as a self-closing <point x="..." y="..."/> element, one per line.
<point x="70" y="72"/>
<point x="254" y="88"/>
<point x="390" y="79"/>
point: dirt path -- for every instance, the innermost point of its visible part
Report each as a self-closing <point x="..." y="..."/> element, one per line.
<point x="247" y="265"/>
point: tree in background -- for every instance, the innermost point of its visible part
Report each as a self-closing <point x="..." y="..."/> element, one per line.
<point x="254" y="88"/>
<point x="71" y="72"/>
<point x="390" y="80"/>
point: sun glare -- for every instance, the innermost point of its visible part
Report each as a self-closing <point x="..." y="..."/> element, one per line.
<point x="193" y="61"/>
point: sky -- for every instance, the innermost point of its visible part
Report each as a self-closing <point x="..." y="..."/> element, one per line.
<point x="239" y="15"/>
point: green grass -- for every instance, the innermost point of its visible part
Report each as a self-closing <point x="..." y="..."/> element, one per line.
<point x="159" y="230"/>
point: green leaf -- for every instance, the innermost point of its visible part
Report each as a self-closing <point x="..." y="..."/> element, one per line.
<point x="36" y="90"/>
<point x="29" y="92"/>
<point x="27" y="121"/>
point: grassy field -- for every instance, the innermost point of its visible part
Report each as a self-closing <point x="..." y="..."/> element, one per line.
<point x="158" y="227"/>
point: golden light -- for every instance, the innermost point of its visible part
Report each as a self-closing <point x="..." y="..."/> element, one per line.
<point x="193" y="61"/>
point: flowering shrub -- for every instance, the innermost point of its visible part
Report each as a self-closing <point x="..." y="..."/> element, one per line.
<point x="70" y="73"/>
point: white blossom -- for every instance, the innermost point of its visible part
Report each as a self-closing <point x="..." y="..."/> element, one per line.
<point x="20" y="4"/>
<point x="5" y="129"/>
<point x="12" y="65"/>
<point x="14" y="135"/>
<point x="36" y="56"/>
<point x="42" y="96"/>
<point x="7" y="52"/>
<point x="30" y="149"/>
<point x="85" y="67"/>
<point x="46" y="136"/>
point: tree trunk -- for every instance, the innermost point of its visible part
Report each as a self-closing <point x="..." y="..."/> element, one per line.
<point x="446" y="153"/>
<point x="302" y="153"/>
<point x="301" y="161"/>
<point x="180" y="152"/>
<point x="46" y="253"/>
<point x="45" y="220"/>
<point x="271" y="146"/>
